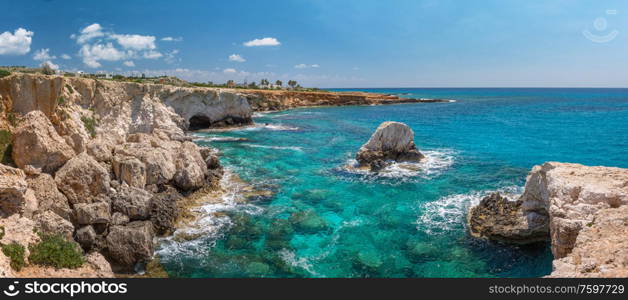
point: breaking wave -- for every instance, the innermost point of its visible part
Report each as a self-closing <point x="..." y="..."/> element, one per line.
<point x="434" y="164"/>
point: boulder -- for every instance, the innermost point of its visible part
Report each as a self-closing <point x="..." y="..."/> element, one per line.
<point x="392" y="141"/>
<point x="51" y="223"/>
<point x="49" y="196"/>
<point x="18" y="229"/>
<point x="86" y="237"/>
<point x="119" y="219"/>
<point x="92" y="213"/>
<point x="129" y="170"/>
<point x="130" y="244"/>
<point x="100" y="150"/>
<point x="159" y="162"/>
<point x="83" y="179"/>
<point x="191" y="168"/>
<point x="164" y="211"/>
<point x="37" y="143"/>
<point x="132" y="202"/>
<point x="15" y="196"/>
<point x="500" y="219"/>
<point x="5" y="267"/>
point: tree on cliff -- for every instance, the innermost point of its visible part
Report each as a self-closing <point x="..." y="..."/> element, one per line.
<point x="292" y="83"/>
<point x="279" y="83"/>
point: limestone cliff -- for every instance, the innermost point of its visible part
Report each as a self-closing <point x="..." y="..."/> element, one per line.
<point x="581" y="209"/>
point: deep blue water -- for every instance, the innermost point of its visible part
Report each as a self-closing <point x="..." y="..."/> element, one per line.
<point x="324" y="220"/>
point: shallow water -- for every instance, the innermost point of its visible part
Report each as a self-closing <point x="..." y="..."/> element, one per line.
<point x="326" y="220"/>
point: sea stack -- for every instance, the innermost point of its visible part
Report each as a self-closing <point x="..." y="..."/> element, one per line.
<point x="392" y="141"/>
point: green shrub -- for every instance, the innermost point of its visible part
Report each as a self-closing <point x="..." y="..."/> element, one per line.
<point x="70" y="89"/>
<point x="5" y="148"/>
<point x="61" y="100"/>
<point x="15" y="252"/>
<point x="68" y="74"/>
<point x="90" y="125"/>
<point x="4" y="73"/>
<point x="55" y="251"/>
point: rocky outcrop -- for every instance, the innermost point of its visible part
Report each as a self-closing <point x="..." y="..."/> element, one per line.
<point x="500" y="219"/>
<point x="582" y="208"/>
<point x="15" y="196"/>
<point x="83" y="180"/>
<point x="131" y="244"/>
<point x="48" y="195"/>
<point x="37" y="144"/>
<point x="392" y="141"/>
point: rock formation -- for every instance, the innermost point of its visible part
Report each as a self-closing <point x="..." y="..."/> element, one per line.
<point x="392" y="141"/>
<point x="103" y="164"/>
<point x="582" y="210"/>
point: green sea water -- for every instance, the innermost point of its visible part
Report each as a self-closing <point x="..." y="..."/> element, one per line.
<point x="320" y="218"/>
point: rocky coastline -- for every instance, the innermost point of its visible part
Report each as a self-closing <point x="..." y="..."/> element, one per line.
<point x="581" y="210"/>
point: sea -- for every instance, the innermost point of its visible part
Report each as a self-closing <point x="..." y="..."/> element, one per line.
<point x="294" y="206"/>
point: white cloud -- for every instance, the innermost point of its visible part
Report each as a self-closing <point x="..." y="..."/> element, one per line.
<point x="65" y="56"/>
<point x="304" y="66"/>
<point x="236" y="58"/>
<point x="135" y="41"/>
<point x="229" y="71"/>
<point x="92" y="54"/>
<point x="43" y="54"/>
<point x="49" y="63"/>
<point x="172" y="39"/>
<point x="268" y="41"/>
<point x="88" y="33"/>
<point x="129" y="63"/>
<point x="99" y="45"/>
<point x="17" y="43"/>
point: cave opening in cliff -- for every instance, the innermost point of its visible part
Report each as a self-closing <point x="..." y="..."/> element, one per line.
<point x="199" y="122"/>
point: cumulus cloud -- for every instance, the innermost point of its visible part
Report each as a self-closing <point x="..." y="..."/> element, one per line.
<point x="129" y="63"/>
<point x="17" y="43"/>
<point x="43" y="54"/>
<point x="172" y="39"/>
<point x="229" y="71"/>
<point x="304" y="66"/>
<point x="99" y="45"/>
<point x="267" y="41"/>
<point x="236" y="58"/>
<point x="65" y="56"/>
<point x="88" y="33"/>
<point x="135" y="41"/>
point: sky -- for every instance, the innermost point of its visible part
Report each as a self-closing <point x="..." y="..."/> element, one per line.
<point x="320" y="43"/>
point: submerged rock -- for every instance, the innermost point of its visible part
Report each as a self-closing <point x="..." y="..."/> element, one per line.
<point x="308" y="221"/>
<point x="392" y="141"/>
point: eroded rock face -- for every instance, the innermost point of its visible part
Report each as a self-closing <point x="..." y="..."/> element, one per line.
<point x="92" y="213"/>
<point x="601" y="248"/>
<point x="83" y="179"/>
<point x="36" y="143"/>
<point x="164" y="211"/>
<point x="500" y="219"/>
<point x="133" y="202"/>
<point x="392" y="141"/>
<point x="51" y="223"/>
<point x="130" y="244"/>
<point x="191" y="168"/>
<point x="130" y="170"/>
<point x="49" y="196"/>
<point x="583" y="209"/>
<point x="15" y="196"/>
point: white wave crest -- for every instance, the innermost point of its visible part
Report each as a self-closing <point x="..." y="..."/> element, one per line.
<point x="448" y="213"/>
<point x="219" y="139"/>
<point x="434" y="163"/>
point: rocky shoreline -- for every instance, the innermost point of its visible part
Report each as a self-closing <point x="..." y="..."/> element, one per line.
<point x="581" y="210"/>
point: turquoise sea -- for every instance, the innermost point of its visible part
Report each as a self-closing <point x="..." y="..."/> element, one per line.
<point x="319" y="218"/>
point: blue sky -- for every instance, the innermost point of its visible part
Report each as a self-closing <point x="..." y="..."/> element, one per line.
<point x="361" y="43"/>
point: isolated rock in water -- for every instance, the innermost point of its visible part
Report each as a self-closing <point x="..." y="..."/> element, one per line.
<point x="601" y="248"/>
<point x="15" y="196"/>
<point x="37" y="143"/>
<point x="49" y="196"/>
<point x="391" y="141"/>
<point x="130" y="244"/>
<point x="83" y="179"/>
<point x="500" y="219"/>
